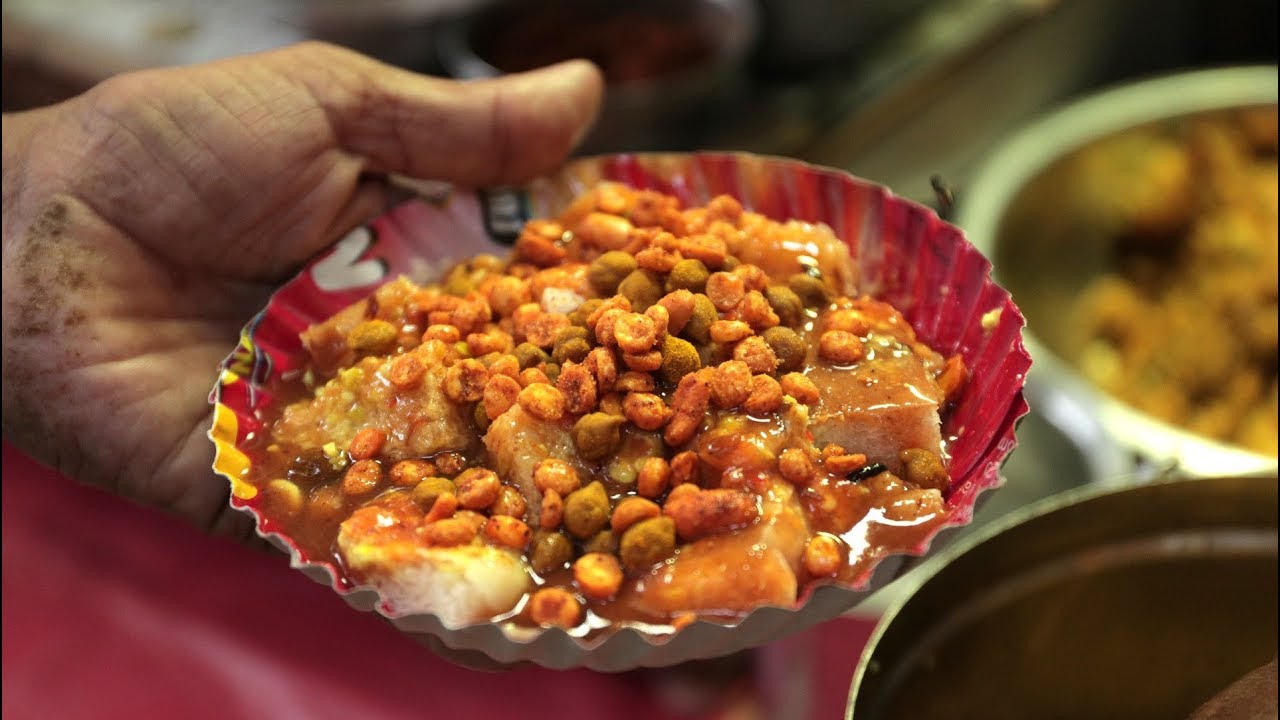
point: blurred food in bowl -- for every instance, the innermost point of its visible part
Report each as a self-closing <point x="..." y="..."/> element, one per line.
<point x="1182" y="324"/>
<point x="663" y="61"/>
<point x="1138" y="229"/>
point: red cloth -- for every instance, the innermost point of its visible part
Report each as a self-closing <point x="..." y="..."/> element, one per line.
<point x="116" y="611"/>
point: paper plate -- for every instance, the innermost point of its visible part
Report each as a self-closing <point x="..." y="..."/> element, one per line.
<point x="906" y="255"/>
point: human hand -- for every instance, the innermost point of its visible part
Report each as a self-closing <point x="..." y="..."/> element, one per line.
<point x="146" y="220"/>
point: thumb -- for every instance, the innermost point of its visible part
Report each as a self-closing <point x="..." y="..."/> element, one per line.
<point x="503" y="130"/>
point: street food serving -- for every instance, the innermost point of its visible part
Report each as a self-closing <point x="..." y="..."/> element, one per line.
<point x="647" y="414"/>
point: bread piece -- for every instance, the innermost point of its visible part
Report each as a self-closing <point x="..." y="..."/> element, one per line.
<point x="382" y="546"/>
<point x="419" y="421"/>
<point x="884" y="404"/>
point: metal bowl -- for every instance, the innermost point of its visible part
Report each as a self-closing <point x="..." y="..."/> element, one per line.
<point x="1134" y="603"/>
<point x="1043" y="277"/>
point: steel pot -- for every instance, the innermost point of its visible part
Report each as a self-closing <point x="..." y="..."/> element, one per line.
<point x="1135" y="603"/>
<point x="1043" y="273"/>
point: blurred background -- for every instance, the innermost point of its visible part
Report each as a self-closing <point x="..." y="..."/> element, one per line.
<point x="912" y="94"/>
<point x="894" y="90"/>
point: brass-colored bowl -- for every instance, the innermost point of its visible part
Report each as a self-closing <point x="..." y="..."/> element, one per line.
<point x="1137" y="603"/>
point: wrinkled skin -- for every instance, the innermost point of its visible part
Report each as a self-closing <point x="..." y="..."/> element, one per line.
<point x="146" y="220"/>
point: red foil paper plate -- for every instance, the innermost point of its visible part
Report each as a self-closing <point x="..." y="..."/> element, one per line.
<point x="905" y="254"/>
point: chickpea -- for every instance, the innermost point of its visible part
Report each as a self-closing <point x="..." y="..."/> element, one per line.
<point x="578" y="385"/>
<point x="541" y="251"/>
<point x="823" y="556"/>
<point x="603" y="367"/>
<point x="811" y="291"/>
<point x="915" y="504"/>
<point x="924" y="469"/>
<point x="500" y="394"/>
<point x="634" y="382"/>
<point x="653" y="478"/>
<point x="374" y="337"/>
<point x="688" y="274"/>
<point x="800" y="387"/>
<point x="661" y="318"/>
<point x="598" y="575"/>
<point x="609" y="270"/>
<point x="725" y="290"/>
<point x="533" y="376"/>
<point x="848" y="320"/>
<point x="953" y="377"/>
<point x="486" y="343"/>
<point x="326" y="504"/>
<point x="444" y="506"/>
<point x="685" y="469"/>
<point x="555" y="606"/>
<point x="509" y="502"/>
<point x="679" y="358"/>
<point x="645" y="410"/>
<point x="679" y="307"/>
<point x="406" y="371"/>
<point x="449" y="532"/>
<point x="754" y="310"/>
<point x="444" y="333"/>
<point x="681" y="428"/>
<point x="602" y="542"/>
<point x="507" y="531"/>
<point x="572" y="350"/>
<point x="478" y="488"/>
<point x="787" y="346"/>
<point x="631" y="511"/>
<point x="841" y="346"/>
<point x="766" y="396"/>
<point x="586" y="511"/>
<point x="642" y="288"/>
<point x="426" y="491"/>
<point x="552" y="510"/>
<point x="530" y="355"/>
<point x="844" y="463"/>
<point x="555" y="474"/>
<point x="657" y="259"/>
<point x="635" y="333"/>
<point x="604" y="230"/>
<point x="597" y="435"/>
<point x="698" y="329"/>
<point x="786" y="303"/>
<point x="648" y="543"/>
<point x="464" y="381"/>
<point x="644" y="362"/>
<point x="795" y="467"/>
<point x="551" y="551"/>
<point x="450" y="463"/>
<point x="408" y="473"/>
<point x="543" y="402"/>
<point x="362" y="477"/>
<point x="282" y="498"/>
<point x="731" y="384"/>
<point x="753" y="277"/>
<point x="698" y="513"/>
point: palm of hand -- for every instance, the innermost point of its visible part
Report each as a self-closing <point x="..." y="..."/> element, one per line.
<point x="190" y="203"/>
<point x="163" y="213"/>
